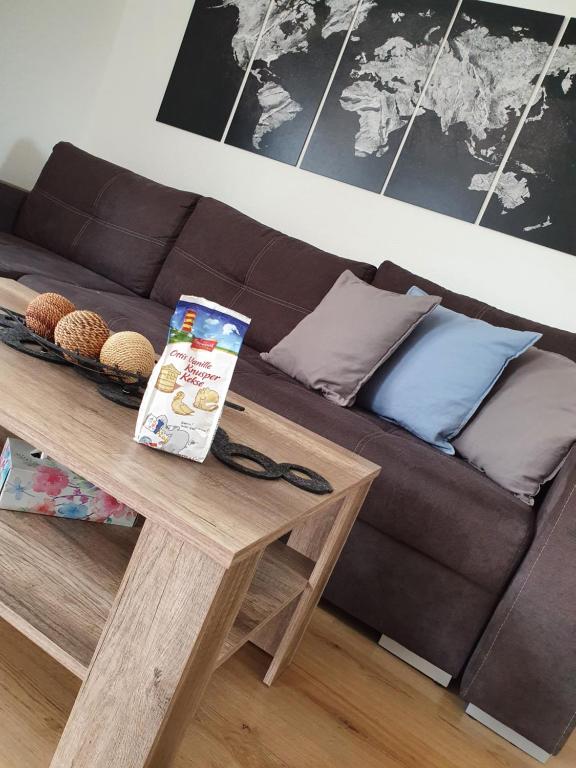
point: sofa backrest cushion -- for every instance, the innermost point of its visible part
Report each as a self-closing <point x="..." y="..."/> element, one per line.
<point x="227" y="257"/>
<point x="391" y="277"/>
<point x="104" y="217"/>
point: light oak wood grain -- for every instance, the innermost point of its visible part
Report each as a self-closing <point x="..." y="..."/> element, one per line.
<point x="268" y="637"/>
<point x="192" y="592"/>
<point x="173" y="610"/>
<point x="310" y="539"/>
<point x="58" y="580"/>
<point x="14" y="295"/>
<point x="343" y="703"/>
<point x="226" y="514"/>
<point x="282" y="574"/>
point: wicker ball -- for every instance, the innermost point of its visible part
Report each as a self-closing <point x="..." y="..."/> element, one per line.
<point x="45" y="311"/>
<point x="128" y="351"/>
<point x="82" y="332"/>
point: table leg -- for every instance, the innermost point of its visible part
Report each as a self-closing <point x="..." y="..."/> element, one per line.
<point x="155" y="657"/>
<point x="321" y="539"/>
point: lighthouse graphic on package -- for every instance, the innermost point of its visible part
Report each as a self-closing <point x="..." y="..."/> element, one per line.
<point x="186" y="392"/>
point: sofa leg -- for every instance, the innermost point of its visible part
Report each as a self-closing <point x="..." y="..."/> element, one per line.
<point x="507" y="733"/>
<point x="428" y="669"/>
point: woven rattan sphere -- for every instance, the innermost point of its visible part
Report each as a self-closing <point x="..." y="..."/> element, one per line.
<point x="82" y="332"/>
<point x="128" y="351"/>
<point x="45" y="312"/>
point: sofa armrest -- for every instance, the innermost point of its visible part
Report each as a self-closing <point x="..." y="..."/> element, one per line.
<point x="11" y="198"/>
<point x="523" y="671"/>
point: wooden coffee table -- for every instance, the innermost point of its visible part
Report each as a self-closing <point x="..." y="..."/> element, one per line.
<point x="144" y="617"/>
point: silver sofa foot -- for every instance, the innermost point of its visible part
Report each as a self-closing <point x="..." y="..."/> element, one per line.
<point x="428" y="669"/>
<point x="507" y="733"/>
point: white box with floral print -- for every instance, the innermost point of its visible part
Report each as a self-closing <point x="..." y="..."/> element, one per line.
<point x="32" y="482"/>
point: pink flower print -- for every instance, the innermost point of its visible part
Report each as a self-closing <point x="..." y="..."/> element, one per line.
<point x="44" y="508"/>
<point x="49" y="480"/>
<point x="105" y="506"/>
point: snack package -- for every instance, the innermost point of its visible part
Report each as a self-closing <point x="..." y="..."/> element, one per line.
<point x="186" y="392"/>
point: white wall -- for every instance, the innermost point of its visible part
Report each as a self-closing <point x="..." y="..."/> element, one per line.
<point x="515" y="275"/>
<point x="53" y="54"/>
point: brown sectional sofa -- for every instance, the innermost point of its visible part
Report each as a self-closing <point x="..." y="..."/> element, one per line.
<point x="440" y="557"/>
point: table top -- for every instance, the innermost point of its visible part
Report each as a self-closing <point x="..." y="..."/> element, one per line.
<point x="225" y="513"/>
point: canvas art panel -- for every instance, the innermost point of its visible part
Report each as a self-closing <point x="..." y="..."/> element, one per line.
<point x="216" y="50"/>
<point x="299" y="47"/>
<point x="376" y="89"/>
<point x="482" y="82"/>
<point x="437" y="103"/>
<point x="535" y="195"/>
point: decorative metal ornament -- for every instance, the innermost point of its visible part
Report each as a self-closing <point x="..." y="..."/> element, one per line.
<point x="228" y="453"/>
<point x="123" y="387"/>
<point x="14" y="333"/>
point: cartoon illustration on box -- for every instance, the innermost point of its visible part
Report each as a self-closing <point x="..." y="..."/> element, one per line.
<point x="157" y="433"/>
<point x="190" y="381"/>
<point x="179" y="406"/>
<point x="207" y="400"/>
<point x="166" y="381"/>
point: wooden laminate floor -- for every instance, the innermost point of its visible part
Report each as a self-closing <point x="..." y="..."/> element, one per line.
<point x="344" y="703"/>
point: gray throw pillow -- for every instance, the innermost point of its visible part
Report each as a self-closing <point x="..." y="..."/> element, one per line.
<point x="524" y="431"/>
<point x="353" y="330"/>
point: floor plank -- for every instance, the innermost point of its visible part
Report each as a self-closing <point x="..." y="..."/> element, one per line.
<point x="343" y="703"/>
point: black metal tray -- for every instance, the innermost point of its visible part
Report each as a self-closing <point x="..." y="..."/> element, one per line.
<point x="123" y="387"/>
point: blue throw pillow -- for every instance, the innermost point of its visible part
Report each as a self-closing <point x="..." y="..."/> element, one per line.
<point x="441" y="374"/>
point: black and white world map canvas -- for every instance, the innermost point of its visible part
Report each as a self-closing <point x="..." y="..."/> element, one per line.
<point x="535" y="197"/>
<point x="464" y="107"/>
<point x="216" y="50"/>
<point x="376" y="89"/>
<point x="483" y="80"/>
<point x="298" y="50"/>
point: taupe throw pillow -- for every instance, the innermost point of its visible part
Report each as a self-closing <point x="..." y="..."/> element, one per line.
<point x="525" y="429"/>
<point x="353" y="330"/>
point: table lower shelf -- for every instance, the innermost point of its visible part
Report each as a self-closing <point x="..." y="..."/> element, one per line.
<point x="59" y="578"/>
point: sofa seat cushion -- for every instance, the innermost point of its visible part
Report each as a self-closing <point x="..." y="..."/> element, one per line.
<point x="436" y="613"/>
<point x="19" y="257"/>
<point x="436" y="504"/>
<point x="391" y="277"/>
<point x="227" y="257"/>
<point x="104" y="217"/>
<point x="446" y="509"/>
<point x="251" y="362"/>
<point x="122" y="313"/>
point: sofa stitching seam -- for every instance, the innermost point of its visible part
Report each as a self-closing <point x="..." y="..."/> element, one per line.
<point x="231" y="281"/>
<point x="522" y="547"/>
<point x="482" y="311"/>
<point x="568" y="726"/>
<point x="78" y="237"/>
<point x="98" y="220"/>
<point x="105" y="187"/>
<point x="363" y="441"/>
<point x="265" y="248"/>
<point x="255" y="261"/>
<point x="521" y="591"/>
